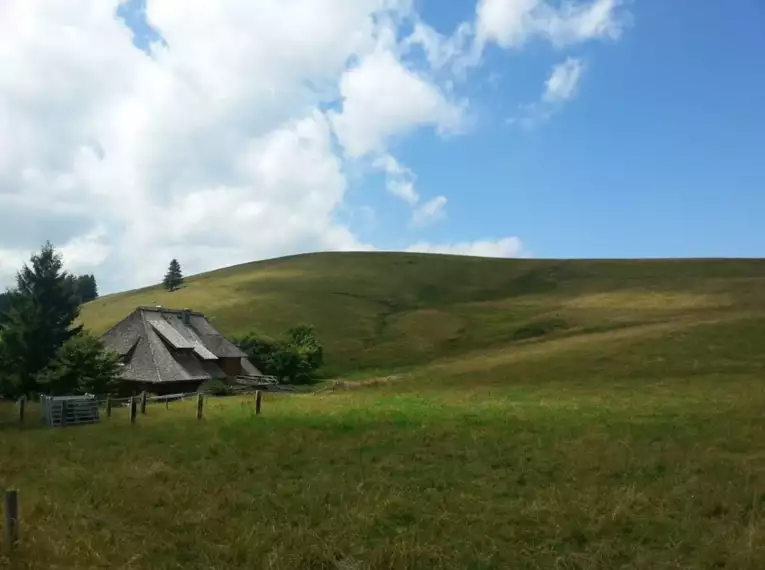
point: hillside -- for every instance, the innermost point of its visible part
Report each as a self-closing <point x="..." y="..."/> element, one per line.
<point x="562" y="414"/>
<point x="389" y="310"/>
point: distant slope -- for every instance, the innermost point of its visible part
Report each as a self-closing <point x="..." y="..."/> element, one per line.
<point x="387" y="310"/>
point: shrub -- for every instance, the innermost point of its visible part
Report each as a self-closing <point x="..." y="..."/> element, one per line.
<point x="215" y="387"/>
<point x="294" y="359"/>
<point x="80" y="366"/>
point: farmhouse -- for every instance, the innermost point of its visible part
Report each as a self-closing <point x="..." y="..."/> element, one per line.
<point x="167" y="350"/>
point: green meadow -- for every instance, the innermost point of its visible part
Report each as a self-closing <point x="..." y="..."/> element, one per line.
<point x="488" y="414"/>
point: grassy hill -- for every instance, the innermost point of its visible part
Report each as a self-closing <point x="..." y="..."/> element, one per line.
<point x="390" y="310"/>
<point x="562" y="414"/>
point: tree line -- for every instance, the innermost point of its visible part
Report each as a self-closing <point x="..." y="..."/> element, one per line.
<point x="42" y="349"/>
<point x="84" y="287"/>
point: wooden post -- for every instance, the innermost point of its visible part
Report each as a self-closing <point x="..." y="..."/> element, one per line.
<point x="258" y="401"/>
<point x="108" y="406"/>
<point x="22" y="404"/>
<point x="12" y="517"/>
<point x="143" y="402"/>
<point x="132" y="408"/>
<point x="200" y="405"/>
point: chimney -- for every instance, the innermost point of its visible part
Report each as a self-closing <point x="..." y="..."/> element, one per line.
<point x="186" y="316"/>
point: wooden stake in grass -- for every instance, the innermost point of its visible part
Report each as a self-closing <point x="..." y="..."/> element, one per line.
<point x="22" y="404"/>
<point x="200" y="405"/>
<point x="108" y="406"/>
<point x="132" y="408"/>
<point x="258" y="401"/>
<point x="11" y="504"/>
<point x="143" y="402"/>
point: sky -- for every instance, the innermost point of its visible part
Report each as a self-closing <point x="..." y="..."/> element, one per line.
<point x="136" y="131"/>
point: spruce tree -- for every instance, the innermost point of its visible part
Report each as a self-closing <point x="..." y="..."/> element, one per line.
<point x="40" y="319"/>
<point x="86" y="288"/>
<point x="92" y="288"/>
<point x="174" y="277"/>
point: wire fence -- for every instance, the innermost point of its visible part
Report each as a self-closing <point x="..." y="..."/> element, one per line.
<point x="23" y="412"/>
<point x="166" y="398"/>
<point x="13" y="412"/>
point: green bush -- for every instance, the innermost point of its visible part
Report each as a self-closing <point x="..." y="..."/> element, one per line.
<point x="294" y="360"/>
<point x="80" y="366"/>
<point x="215" y="387"/>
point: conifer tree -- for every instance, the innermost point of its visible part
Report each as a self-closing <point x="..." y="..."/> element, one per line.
<point x="174" y="277"/>
<point x="38" y="321"/>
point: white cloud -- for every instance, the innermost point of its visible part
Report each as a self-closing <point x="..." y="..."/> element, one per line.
<point x="504" y="247"/>
<point x="404" y="190"/>
<point x="563" y="80"/>
<point x="11" y="261"/>
<point x="430" y="211"/>
<point x="217" y="147"/>
<point x="85" y="252"/>
<point x="560" y="86"/>
<point x="507" y="22"/>
<point x="400" y="182"/>
<point x="214" y="149"/>
<point x="455" y="50"/>
<point x="382" y="98"/>
<point x="399" y="179"/>
<point x="511" y="23"/>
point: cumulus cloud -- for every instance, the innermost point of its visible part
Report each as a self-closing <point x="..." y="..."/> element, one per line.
<point x="504" y="247"/>
<point x="231" y="136"/>
<point x="212" y="148"/>
<point x="382" y="98"/>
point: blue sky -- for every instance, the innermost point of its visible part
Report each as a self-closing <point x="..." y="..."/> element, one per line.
<point x="659" y="154"/>
<point x="141" y="130"/>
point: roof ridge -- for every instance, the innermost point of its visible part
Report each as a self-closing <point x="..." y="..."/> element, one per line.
<point x="161" y="309"/>
<point x="151" y="348"/>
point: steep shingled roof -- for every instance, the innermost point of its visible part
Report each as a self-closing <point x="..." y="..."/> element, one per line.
<point x="169" y="345"/>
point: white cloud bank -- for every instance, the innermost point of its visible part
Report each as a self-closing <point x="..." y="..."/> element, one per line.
<point x="218" y="147"/>
<point x="504" y="247"/>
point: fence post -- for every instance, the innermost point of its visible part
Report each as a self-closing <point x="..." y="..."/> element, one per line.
<point x="200" y="405"/>
<point x="22" y="404"/>
<point x="63" y="413"/>
<point x="167" y="403"/>
<point x="143" y="402"/>
<point x="258" y="401"/>
<point x="132" y="408"/>
<point x="12" y="517"/>
<point x="108" y="406"/>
